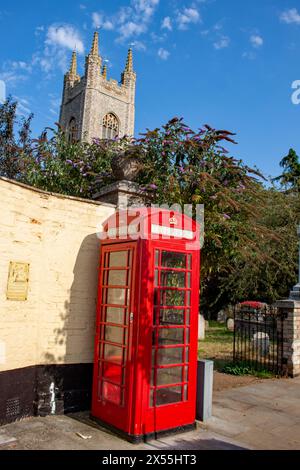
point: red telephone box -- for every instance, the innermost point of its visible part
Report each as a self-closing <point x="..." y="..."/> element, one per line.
<point x="147" y="320"/>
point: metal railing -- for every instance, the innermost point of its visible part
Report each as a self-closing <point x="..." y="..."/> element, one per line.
<point x="259" y="338"/>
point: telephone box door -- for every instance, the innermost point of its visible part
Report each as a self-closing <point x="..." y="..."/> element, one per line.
<point x="174" y="342"/>
<point x="112" y="389"/>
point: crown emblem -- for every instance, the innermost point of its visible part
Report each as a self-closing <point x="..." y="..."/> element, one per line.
<point x="173" y="221"/>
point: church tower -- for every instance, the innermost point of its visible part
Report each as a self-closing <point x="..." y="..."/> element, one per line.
<point x="95" y="107"/>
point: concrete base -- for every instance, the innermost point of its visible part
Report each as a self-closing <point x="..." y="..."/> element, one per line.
<point x="205" y="378"/>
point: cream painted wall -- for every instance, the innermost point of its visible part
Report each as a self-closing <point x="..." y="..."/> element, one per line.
<point x="57" y="236"/>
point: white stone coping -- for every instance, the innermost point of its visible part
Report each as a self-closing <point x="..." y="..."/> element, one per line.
<point x="57" y="195"/>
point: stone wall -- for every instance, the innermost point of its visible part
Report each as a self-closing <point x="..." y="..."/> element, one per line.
<point x="54" y="327"/>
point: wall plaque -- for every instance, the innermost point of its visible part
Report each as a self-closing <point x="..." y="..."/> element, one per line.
<point x="18" y="278"/>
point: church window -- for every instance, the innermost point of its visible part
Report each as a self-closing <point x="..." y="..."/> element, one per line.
<point x="110" y="127"/>
<point x="73" y="131"/>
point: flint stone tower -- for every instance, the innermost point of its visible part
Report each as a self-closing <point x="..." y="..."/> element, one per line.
<point x="95" y="107"/>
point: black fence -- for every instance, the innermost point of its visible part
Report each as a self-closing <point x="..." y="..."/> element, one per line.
<point x="259" y="338"/>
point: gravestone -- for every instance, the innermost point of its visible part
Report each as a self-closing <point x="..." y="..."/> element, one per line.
<point x="230" y="324"/>
<point x="222" y="316"/>
<point x="201" y="327"/>
<point x="261" y="343"/>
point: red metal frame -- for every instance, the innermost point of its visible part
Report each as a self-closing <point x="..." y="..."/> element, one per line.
<point x="138" y="416"/>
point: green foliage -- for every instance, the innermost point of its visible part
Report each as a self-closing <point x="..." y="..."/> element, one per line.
<point x="244" y="368"/>
<point x="290" y="178"/>
<point x="250" y="232"/>
<point x="15" y="141"/>
<point x="250" y="248"/>
<point x="76" y="169"/>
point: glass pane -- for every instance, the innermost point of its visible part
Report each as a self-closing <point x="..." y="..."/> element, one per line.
<point x="151" y="398"/>
<point x="189" y="261"/>
<point x="187" y="336"/>
<point x="152" y="376"/>
<point x="173" y="260"/>
<point x="172" y="279"/>
<point x="169" y="337"/>
<point x="185" y="393"/>
<point x="115" y="315"/>
<point x="165" y="396"/>
<point x="172" y="297"/>
<point x="170" y="356"/>
<point x="188" y="316"/>
<point x="118" y="259"/>
<point x="186" y="374"/>
<point x="113" y="354"/>
<point x="116" y="296"/>
<point x="188" y="299"/>
<point x="171" y="317"/>
<point x="156" y="258"/>
<point x="112" y="393"/>
<point x="113" y="373"/>
<point x="114" y="334"/>
<point x="156" y="278"/>
<point x="189" y="280"/>
<point x="117" y="278"/>
<point x="187" y="355"/>
<point x="169" y="376"/>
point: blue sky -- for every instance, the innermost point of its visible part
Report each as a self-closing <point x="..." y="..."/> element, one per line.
<point x="228" y="63"/>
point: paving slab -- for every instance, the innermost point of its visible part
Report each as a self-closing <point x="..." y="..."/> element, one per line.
<point x="63" y="433"/>
<point x="264" y="415"/>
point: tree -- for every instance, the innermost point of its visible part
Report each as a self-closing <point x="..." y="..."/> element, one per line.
<point x="290" y="177"/>
<point x="15" y="147"/>
<point x="250" y="248"/>
<point x="247" y="253"/>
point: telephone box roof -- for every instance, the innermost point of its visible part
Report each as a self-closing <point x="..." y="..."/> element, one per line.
<point x="152" y="223"/>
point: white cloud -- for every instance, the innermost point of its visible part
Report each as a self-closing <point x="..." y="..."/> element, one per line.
<point x="163" y="54"/>
<point x="60" y="39"/>
<point x="290" y="16"/>
<point x="2" y="91"/>
<point x="249" y="55"/>
<point x="128" y="22"/>
<point x="139" y="45"/>
<point x="186" y="17"/>
<point x="100" y="22"/>
<point x="15" y="71"/>
<point x="222" y="43"/>
<point x="12" y="78"/>
<point x="39" y="30"/>
<point x="167" y="23"/>
<point x="21" y="65"/>
<point x="131" y="28"/>
<point x="256" y="41"/>
<point x="64" y="36"/>
<point x="22" y="109"/>
<point x="145" y="8"/>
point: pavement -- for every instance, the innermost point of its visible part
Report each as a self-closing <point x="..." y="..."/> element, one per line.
<point x="261" y="416"/>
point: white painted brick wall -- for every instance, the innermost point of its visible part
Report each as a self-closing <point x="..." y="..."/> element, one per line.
<point x="57" y="236"/>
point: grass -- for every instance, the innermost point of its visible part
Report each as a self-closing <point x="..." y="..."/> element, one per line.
<point x="242" y="368"/>
<point x="218" y="347"/>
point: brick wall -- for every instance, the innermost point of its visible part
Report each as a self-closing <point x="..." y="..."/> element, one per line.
<point x="291" y="334"/>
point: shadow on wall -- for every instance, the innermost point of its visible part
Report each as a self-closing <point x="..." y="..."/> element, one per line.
<point x="65" y="384"/>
